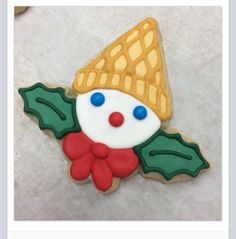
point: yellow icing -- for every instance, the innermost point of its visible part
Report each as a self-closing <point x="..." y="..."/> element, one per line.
<point x="140" y="87"/>
<point x="115" y="50"/>
<point x="135" y="50"/>
<point x="158" y="77"/>
<point x="103" y="78"/>
<point x="152" y="94"/>
<point x="163" y="103"/>
<point x="152" y="57"/>
<point x="120" y="63"/>
<point x="145" y="26"/>
<point x="91" y="78"/>
<point x="148" y="39"/>
<point x="127" y="82"/>
<point x="100" y="64"/>
<point x="115" y="79"/>
<point x="141" y="68"/>
<point x="132" y="36"/>
<point x="80" y="79"/>
<point x="133" y="64"/>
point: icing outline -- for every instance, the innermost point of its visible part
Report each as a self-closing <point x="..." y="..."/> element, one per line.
<point x="94" y="121"/>
<point x="97" y="161"/>
<point x="134" y="65"/>
<point x="155" y="169"/>
<point x="34" y="112"/>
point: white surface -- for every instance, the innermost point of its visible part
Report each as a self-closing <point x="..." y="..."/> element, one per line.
<point x="94" y="120"/>
<point x="51" y="43"/>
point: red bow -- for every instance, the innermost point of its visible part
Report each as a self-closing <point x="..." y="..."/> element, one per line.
<point x="97" y="159"/>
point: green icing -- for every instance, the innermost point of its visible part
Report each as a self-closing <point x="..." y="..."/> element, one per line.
<point x="169" y="155"/>
<point x="52" y="108"/>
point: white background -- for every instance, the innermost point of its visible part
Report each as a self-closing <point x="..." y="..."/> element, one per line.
<point x="130" y="226"/>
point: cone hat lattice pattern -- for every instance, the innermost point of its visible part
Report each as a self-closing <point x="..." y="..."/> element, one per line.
<point x="133" y="64"/>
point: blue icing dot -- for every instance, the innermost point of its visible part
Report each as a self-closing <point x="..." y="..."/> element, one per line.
<point x="97" y="99"/>
<point x="140" y="112"/>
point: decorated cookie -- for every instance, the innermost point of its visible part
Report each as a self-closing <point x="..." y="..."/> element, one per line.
<point x="20" y="10"/>
<point x="114" y="127"/>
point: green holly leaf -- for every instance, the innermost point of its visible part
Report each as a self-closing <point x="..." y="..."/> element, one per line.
<point x="52" y="108"/>
<point x="169" y="155"/>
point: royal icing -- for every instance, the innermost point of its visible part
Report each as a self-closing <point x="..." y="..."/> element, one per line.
<point x="133" y="64"/>
<point x="113" y="125"/>
<point x="97" y="123"/>
<point x="169" y="155"/>
<point x="52" y="108"/>
<point x="98" y="160"/>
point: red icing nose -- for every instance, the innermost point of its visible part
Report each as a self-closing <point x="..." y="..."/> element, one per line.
<point x="99" y="150"/>
<point x="116" y="119"/>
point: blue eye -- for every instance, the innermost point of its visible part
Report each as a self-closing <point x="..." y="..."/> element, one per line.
<point x="140" y="112"/>
<point x="97" y="99"/>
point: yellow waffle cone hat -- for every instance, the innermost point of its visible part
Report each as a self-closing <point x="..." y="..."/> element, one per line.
<point x="133" y="64"/>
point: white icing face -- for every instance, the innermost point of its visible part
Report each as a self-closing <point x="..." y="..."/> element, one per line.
<point x="132" y="124"/>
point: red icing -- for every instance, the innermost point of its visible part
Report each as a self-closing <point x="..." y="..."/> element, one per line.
<point x="99" y="150"/>
<point x="97" y="159"/>
<point x="116" y="119"/>
<point x="72" y="145"/>
<point x="81" y="167"/>
<point x="101" y="175"/>
<point x="122" y="162"/>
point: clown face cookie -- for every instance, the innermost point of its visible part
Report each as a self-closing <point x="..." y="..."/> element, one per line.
<point x="119" y="117"/>
<point x="113" y="128"/>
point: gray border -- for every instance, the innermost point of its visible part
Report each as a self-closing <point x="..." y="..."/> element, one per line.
<point x="3" y="120"/>
<point x="232" y="119"/>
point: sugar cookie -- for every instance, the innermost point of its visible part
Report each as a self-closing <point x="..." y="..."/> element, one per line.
<point x="114" y="127"/>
